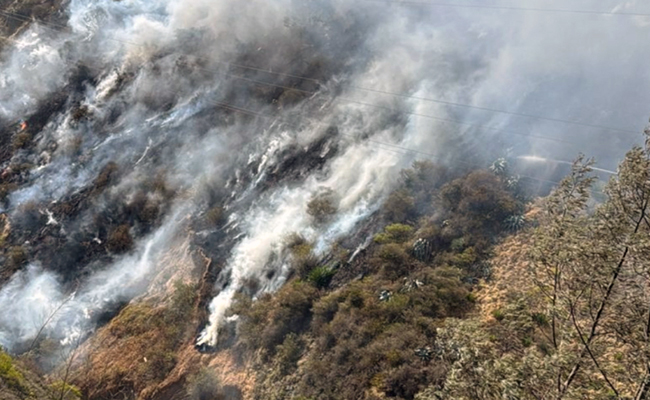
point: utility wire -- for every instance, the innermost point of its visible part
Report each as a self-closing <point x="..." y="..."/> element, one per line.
<point x="386" y="108"/>
<point x="509" y="8"/>
<point x="455" y="104"/>
<point x="404" y="149"/>
<point x="393" y="147"/>
<point x="450" y="103"/>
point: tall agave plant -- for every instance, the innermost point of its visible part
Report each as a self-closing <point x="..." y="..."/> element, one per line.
<point x="499" y="167"/>
<point x="422" y="250"/>
<point x="515" y="222"/>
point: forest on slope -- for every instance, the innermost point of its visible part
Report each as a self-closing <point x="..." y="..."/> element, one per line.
<point x="279" y="208"/>
<point x="557" y="309"/>
<point x="471" y="290"/>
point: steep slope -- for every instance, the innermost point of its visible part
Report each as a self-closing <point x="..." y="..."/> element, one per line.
<point x="18" y="382"/>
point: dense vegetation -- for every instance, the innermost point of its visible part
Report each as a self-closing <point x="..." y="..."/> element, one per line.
<point x="449" y="300"/>
<point x="373" y="334"/>
<point x="557" y="310"/>
<point x="466" y="290"/>
<point x="575" y="323"/>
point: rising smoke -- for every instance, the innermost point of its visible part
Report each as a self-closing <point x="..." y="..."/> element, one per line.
<point x="165" y="94"/>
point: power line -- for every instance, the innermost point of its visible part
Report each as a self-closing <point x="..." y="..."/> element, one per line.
<point x="509" y="8"/>
<point x="386" y="108"/>
<point x="394" y="148"/>
<point x="397" y="149"/>
<point x="455" y="104"/>
<point x="498" y="111"/>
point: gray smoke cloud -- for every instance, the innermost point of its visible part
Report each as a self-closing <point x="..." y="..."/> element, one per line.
<point x="160" y="70"/>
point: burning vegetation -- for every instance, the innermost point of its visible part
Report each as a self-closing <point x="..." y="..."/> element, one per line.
<point x="174" y="226"/>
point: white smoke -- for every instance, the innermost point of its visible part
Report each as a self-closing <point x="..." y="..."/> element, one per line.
<point x="34" y="301"/>
<point x="160" y="66"/>
<point x="28" y="300"/>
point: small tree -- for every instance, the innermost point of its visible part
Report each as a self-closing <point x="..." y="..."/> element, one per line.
<point x="322" y="205"/>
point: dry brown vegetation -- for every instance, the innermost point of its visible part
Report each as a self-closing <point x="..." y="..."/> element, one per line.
<point x="373" y="338"/>
<point x="120" y="240"/>
<point x="138" y="349"/>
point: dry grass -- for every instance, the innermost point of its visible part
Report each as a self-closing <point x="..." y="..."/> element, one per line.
<point x="509" y="276"/>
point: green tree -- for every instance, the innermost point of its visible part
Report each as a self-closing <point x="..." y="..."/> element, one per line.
<point x="580" y="327"/>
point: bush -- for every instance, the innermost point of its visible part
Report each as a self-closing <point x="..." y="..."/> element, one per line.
<point x="479" y="204"/>
<point x="394" y="233"/>
<point x="321" y="276"/>
<point x="120" y="239"/>
<point x="21" y="140"/>
<point x="80" y="112"/>
<point x="400" y="206"/>
<point x="214" y="215"/>
<point x="65" y="391"/>
<point x="288" y="353"/>
<point x="106" y="176"/>
<point x="17" y="257"/>
<point x="304" y="261"/>
<point x="10" y="375"/>
<point x="6" y="189"/>
<point x="325" y="309"/>
<point x="143" y="208"/>
<point x="182" y="301"/>
<point x="498" y="315"/>
<point x="362" y="343"/>
<point x="266" y="322"/>
<point x="160" y="362"/>
<point x="322" y="206"/>
<point x="396" y="262"/>
<point x="399" y="232"/>
<point x="203" y="385"/>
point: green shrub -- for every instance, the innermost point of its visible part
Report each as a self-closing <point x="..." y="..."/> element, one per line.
<point x="540" y="319"/>
<point x="382" y="238"/>
<point x="392" y="252"/>
<point x="498" y="315"/>
<point x="160" y="362"/>
<point x="17" y="257"/>
<point x="265" y="323"/>
<point x="458" y="245"/>
<point x="321" y="276"/>
<point x="65" y="391"/>
<point x="396" y="263"/>
<point x="304" y="261"/>
<point x="288" y="353"/>
<point x="465" y="259"/>
<point x="394" y="233"/>
<point x="182" y="301"/>
<point x="399" y="232"/>
<point x="400" y="206"/>
<point x="5" y="189"/>
<point x="471" y="297"/>
<point x="477" y="206"/>
<point x="326" y="308"/>
<point x="10" y="375"/>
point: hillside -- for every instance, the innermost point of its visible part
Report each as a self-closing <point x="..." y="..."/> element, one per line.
<point x="323" y="200"/>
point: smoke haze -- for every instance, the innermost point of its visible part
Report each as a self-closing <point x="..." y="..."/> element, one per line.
<point x="164" y="96"/>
